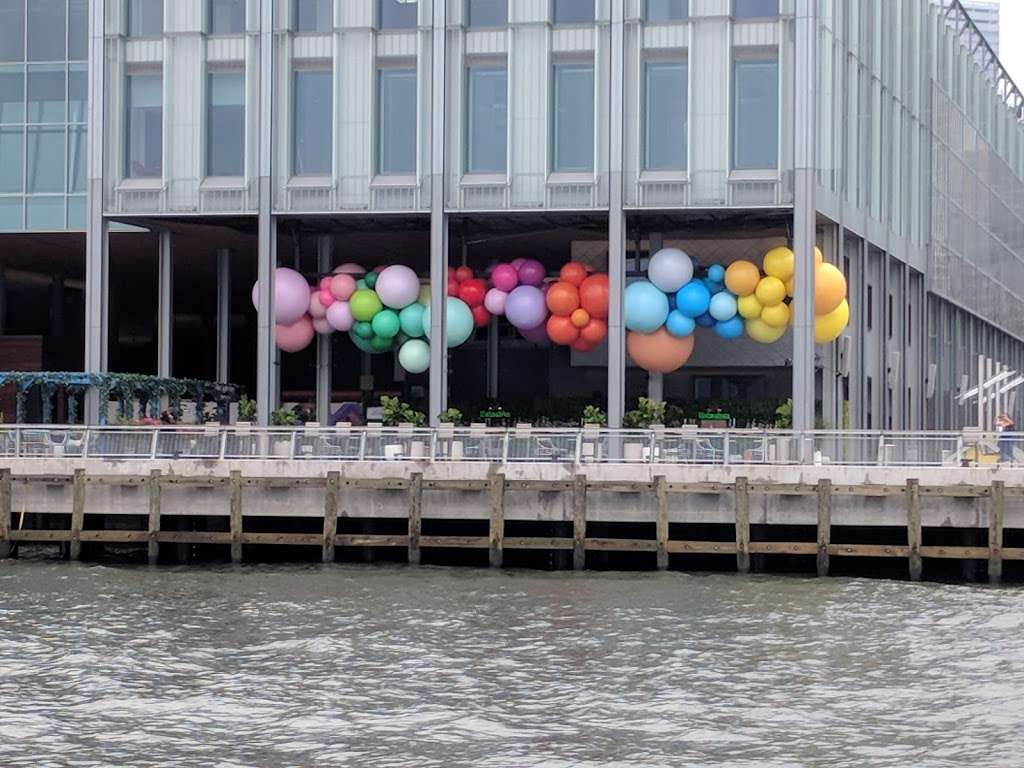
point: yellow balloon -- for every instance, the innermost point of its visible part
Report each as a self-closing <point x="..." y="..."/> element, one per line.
<point x="424" y="297"/>
<point x="777" y="316"/>
<point x="770" y="291"/>
<point x="780" y="263"/>
<point x="819" y="257"/>
<point x="828" y="327"/>
<point x="829" y="288"/>
<point x="791" y="287"/>
<point x="741" y="277"/>
<point x="748" y="307"/>
<point x="759" y="330"/>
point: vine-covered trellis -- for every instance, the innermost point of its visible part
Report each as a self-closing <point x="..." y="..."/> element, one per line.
<point x="128" y="389"/>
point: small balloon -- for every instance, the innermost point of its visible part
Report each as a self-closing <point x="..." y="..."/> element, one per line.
<point x="505" y="277"/>
<point x="779" y="262"/>
<point x="531" y="272"/>
<point x="705" y="320"/>
<point x="693" y="299"/>
<point x="731" y="328"/>
<point x="579" y="318"/>
<point x="495" y="299"/>
<point x="562" y="298"/>
<point x="670" y="269"/>
<point x="371" y="279"/>
<point x="349" y="268"/>
<point x="525" y="307"/>
<point x="573" y="273"/>
<point x="339" y="315"/>
<point x="386" y="324"/>
<point x="760" y="331"/>
<point x="776" y="316"/>
<point x="481" y="317"/>
<point x="723" y="306"/>
<point x="828" y="327"/>
<point x="463" y="273"/>
<point x="326" y="298"/>
<point x="770" y="291"/>
<point x="561" y="330"/>
<point x="342" y="287"/>
<point x="363" y="330"/>
<point x="316" y="310"/>
<point x="748" y="307"/>
<point x="365" y="304"/>
<point x="716" y="273"/>
<point x="414" y="356"/>
<point x="594" y="296"/>
<point x="411" y="319"/>
<point x="679" y="325"/>
<point x="296" y="336"/>
<point x="321" y="326"/>
<point x="741" y="277"/>
<point x="594" y="331"/>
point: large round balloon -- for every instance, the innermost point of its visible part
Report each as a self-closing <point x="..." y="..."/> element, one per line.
<point x="561" y="330"/>
<point x="829" y="288"/>
<point x="760" y="331"/>
<point x="679" y="325"/>
<point x="748" y="307"/>
<point x="562" y="298"/>
<point x="495" y="299"/>
<point x="339" y="315"/>
<point x="594" y="296"/>
<point x="646" y="307"/>
<point x="693" y="299"/>
<point x="295" y="336"/>
<point x="531" y="272"/>
<point x="365" y="304"/>
<point x="505" y="277"/>
<point x="731" y="328"/>
<point x="828" y="327"/>
<point x="397" y="286"/>
<point x="459" y="321"/>
<point x="411" y="319"/>
<point x="291" y="296"/>
<point x="723" y="306"/>
<point x="386" y="324"/>
<point x="776" y="316"/>
<point x="525" y="307"/>
<point x="414" y="356"/>
<point x="770" y="291"/>
<point x="349" y="268"/>
<point x="473" y="291"/>
<point x="342" y="287"/>
<point x="741" y="277"/>
<point x="659" y="352"/>
<point x="670" y="269"/>
<point x="573" y="273"/>
<point x="780" y="263"/>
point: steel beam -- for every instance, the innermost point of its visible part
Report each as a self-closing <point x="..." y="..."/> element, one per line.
<point x="165" y="307"/>
<point x="266" y="379"/>
<point x="438" y="398"/>
<point x="324" y="262"/>
<point x="223" y="315"/>
<point x="616" y="221"/>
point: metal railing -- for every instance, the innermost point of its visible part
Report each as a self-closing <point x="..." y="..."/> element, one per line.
<point x="523" y="444"/>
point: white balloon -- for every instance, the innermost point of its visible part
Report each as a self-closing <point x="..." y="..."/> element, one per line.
<point x="670" y="269"/>
<point x="397" y="286"/>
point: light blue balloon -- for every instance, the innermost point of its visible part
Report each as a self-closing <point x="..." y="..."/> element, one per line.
<point x="411" y="319"/>
<point x="646" y="307"/>
<point x="693" y="299"/>
<point x="723" y="306"/>
<point x="679" y="325"/>
<point x="414" y="356"/>
<point x="731" y="328"/>
<point x="459" y="318"/>
<point x="716" y="273"/>
<point x="712" y="286"/>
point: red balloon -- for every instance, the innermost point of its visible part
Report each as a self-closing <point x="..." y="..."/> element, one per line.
<point x="573" y="273"/>
<point x="463" y="273"/>
<point x="562" y="298"/>
<point x="481" y="316"/>
<point x="582" y="345"/>
<point x="473" y="291"/>
<point x="561" y="330"/>
<point x="594" y="296"/>
<point x="594" y="331"/>
<point x="451" y="276"/>
<point x="453" y="288"/>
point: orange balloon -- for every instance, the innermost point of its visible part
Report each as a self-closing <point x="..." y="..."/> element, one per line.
<point x="741" y="277"/>
<point x="594" y="296"/>
<point x="561" y="330"/>
<point x="579" y="318"/>
<point x="829" y="289"/>
<point x="594" y="331"/>
<point x="659" y="352"/>
<point x="563" y="299"/>
<point x="573" y="273"/>
<point x="582" y="345"/>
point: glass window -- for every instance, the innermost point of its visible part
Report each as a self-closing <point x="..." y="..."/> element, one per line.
<point x="145" y="18"/>
<point x="667" y="10"/>
<point x="12" y="211"/>
<point x="396" y="14"/>
<point x="225" y="124"/>
<point x="77" y="153"/>
<point x="76" y="213"/>
<point x="313" y="16"/>
<point x="45" y="148"/>
<point x="12" y="94"/>
<point x="12" y="142"/>
<point x="12" y="30"/>
<point x="574" y="117"/>
<point x="396" y="121"/>
<point x="45" y="212"/>
<point x="755" y="119"/>
<point x="574" y="11"/>
<point x="78" y="30"/>
<point x="487" y="13"/>
<point x="46" y="97"/>
<point x="144" y="157"/>
<point x="755" y="9"/>
<point x="78" y="93"/>
<point x="313" y="132"/>
<point x="226" y="17"/>
<point x="46" y="30"/>
<point x="487" y="136"/>
<point x="665" y="128"/>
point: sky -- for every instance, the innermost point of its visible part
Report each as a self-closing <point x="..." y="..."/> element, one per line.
<point x="1011" y="34"/>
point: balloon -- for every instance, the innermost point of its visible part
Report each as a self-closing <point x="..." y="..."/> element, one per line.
<point x="325" y="298"/>
<point x="829" y="289"/>
<point x="291" y="296"/>
<point x="780" y="263"/>
<point x="463" y="273"/>
<point x="791" y="287"/>
<point x="495" y="299"/>
<point x="573" y="273"/>
<point x="386" y="324"/>
<point x="397" y="286"/>
<point x="741" y="278"/>
<point x="594" y="296"/>
<point x="561" y="330"/>
<point x="517" y="263"/>
<point x="562" y="298"/>
<point x="538" y="335"/>
<point x="760" y="331"/>
<point x="414" y="356"/>
<point x="349" y="268"/>
<point x="582" y="345"/>
<point x="716" y="273"/>
<point x="458" y="319"/>
<point x="705" y="320"/>
<point x="693" y="299"/>
<point x="659" y="352"/>
<point x="321" y="326"/>
<point x="381" y="343"/>
<point x="505" y="277"/>
<point x="295" y="336"/>
<point x="712" y="286"/>
<point x="365" y="304"/>
<point x="646" y="307"/>
<point x="339" y="315"/>
<point x="819" y="257"/>
<point x="342" y="287"/>
<point x="531" y="272"/>
<point x="776" y="316"/>
<point x="579" y="318"/>
<point x="325" y="282"/>
<point x="360" y="284"/>
<point x="424" y="295"/>
<point x="594" y="331"/>
<point x="679" y="325"/>
<point x="453" y="288"/>
<point x="473" y="291"/>
<point x="525" y="307"/>
<point x="316" y="309"/>
<point x="670" y="269"/>
<point x="363" y="330"/>
<point x="481" y="316"/>
<point x="748" y="307"/>
<point x="361" y="343"/>
<point x="731" y="328"/>
<point x="371" y="279"/>
<point x="411" y="320"/>
<point x="770" y="291"/>
<point x="723" y="306"/>
<point x="828" y="327"/>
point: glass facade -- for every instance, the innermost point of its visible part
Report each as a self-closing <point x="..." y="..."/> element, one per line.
<point x="396" y="14"/>
<point x="573" y="11"/>
<point x="665" y="116"/>
<point x="755" y="130"/>
<point x="226" y="17"/>
<point x="574" y="117"/>
<point x="144" y="127"/>
<point x="225" y="134"/>
<point x="312" y="123"/>
<point x="396" y="121"/>
<point x="486" y="13"/>
<point x="666" y="10"/>
<point x="313" y="16"/>
<point x="145" y="18"/>
<point x="487" y="120"/>
<point x="755" y="9"/>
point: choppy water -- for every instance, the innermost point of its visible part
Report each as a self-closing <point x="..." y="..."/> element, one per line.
<point x="366" y="666"/>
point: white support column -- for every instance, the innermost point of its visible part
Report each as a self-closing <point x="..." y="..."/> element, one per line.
<point x="223" y="315"/>
<point x="324" y="259"/>
<point x="616" y="222"/>
<point x="655" y="380"/>
<point x="438" y="399"/>
<point x="266" y="380"/>
<point x="165" y="307"/>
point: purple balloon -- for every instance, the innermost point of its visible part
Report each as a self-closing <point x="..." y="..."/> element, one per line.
<point x="291" y="296"/>
<point x="531" y="272"/>
<point x="339" y="315"/>
<point x="525" y="307"/>
<point x="494" y="301"/>
<point x="505" y="277"/>
<point x="538" y="335"/>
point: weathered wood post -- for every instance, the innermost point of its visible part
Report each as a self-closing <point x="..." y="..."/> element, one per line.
<point x="579" y="522"/>
<point x="153" y="526"/>
<point x="77" y="514"/>
<point x="415" y="517"/>
<point x="742" y="499"/>
<point x="330" y="516"/>
<point x="661" y="524"/>
<point x="5" y="512"/>
<point x="824" y="524"/>
<point x="236" y="516"/>
<point x="996" y="510"/>
<point x="914" y="529"/>
<point x="497" y="536"/>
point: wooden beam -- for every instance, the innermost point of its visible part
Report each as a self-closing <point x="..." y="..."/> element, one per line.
<point x="623" y="545"/>
<point x="455" y="542"/>
<point x="914" y="529"/>
<point x="497" y="534"/>
<point x="370" y="540"/>
<point x="661" y="523"/>
<point x="539" y="542"/>
<point x="5" y="512"/>
<point x="77" y="514"/>
<point x="579" y="522"/>
<point x="742" y="500"/>
<point x="868" y="550"/>
<point x="783" y="548"/>
<point x="292" y="539"/>
<point x="153" y="524"/>
<point x="996" y="511"/>
<point x="702" y="547"/>
<point x="195" y="537"/>
<point x="330" y="517"/>
<point x="824" y="524"/>
<point x="236" y="516"/>
<point x="415" y="517"/>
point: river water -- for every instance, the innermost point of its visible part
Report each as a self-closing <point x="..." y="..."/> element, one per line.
<point x="394" y="666"/>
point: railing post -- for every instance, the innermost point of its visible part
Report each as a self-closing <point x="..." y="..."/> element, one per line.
<point x="223" y="443"/>
<point x="651" y="445"/>
<point x="579" y="447"/>
<point x="997" y="507"/>
<point x="153" y="443"/>
<point x="504" y="448"/>
<point x="725" y="450"/>
<point x="17" y="442"/>
<point x="362" y="445"/>
<point x="236" y="516"/>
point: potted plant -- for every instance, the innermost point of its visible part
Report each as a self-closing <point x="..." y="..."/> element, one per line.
<point x="451" y="416"/>
<point x="448" y="420"/>
<point x="647" y="413"/>
<point x="246" y="409"/>
<point x="283" y="417"/>
<point x="397" y="413"/>
<point x="594" y="416"/>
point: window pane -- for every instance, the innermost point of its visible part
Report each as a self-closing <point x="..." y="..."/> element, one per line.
<point x="225" y="140"/>
<point x="755" y="9"/>
<point x="45" y="212"/>
<point x="11" y="165"/>
<point x="12" y="94"/>
<point x="78" y="30"/>
<point x="227" y="17"/>
<point x="76" y="213"/>
<point x="46" y="96"/>
<point x="12" y="213"/>
<point x="574" y="11"/>
<point x="313" y="16"/>
<point x="77" y="148"/>
<point x="574" y="117"/>
<point x="397" y="14"/>
<point x="45" y="149"/>
<point x="145" y="129"/>
<point x="145" y="18"/>
<point x="756" y="114"/>
<point x="12" y="26"/>
<point x="313" y="120"/>
<point x="488" y="120"/>
<point x="665" y="121"/>
<point x="667" y="10"/>
<point x="396" y="121"/>
<point x="78" y="93"/>
<point x="46" y="30"/>
<point x="488" y="13"/>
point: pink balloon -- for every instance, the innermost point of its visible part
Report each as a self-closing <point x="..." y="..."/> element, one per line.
<point x="494" y="301"/>
<point x="296" y="336"/>
<point x="531" y="272"/>
<point x="321" y="326"/>
<point x="326" y="298"/>
<point x="517" y="263"/>
<point x="325" y="282"/>
<point x="316" y="308"/>
<point x="349" y="268"/>
<point x="291" y="296"/>
<point x="339" y="315"/>
<point x="538" y="335"/>
<point x="342" y="286"/>
<point x="505" y="277"/>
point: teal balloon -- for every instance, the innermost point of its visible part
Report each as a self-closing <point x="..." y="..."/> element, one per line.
<point x="412" y="320"/>
<point x="386" y="324"/>
<point x="371" y="279"/>
<point x="414" y="356"/>
<point x="380" y="344"/>
<point x="361" y="284"/>
<point x="645" y="307"/>
<point x="400" y="339"/>
<point x="361" y="343"/>
<point x="459" y="318"/>
<point x="363" y="330"/>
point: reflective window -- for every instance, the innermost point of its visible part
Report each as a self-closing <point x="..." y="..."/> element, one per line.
<point x="145" y="18"/>
<point x="666" y="10"/>
<point x="755" y="9"/>
<point x="312" y="121"/>
<point x="225" y="124"/>
<point x="573" y="11"/>
<point x="12" y="30"/>
<point x="755" y="132"/>
<point x="665" y="128"/>
<point x="145" y="127"/>
<point x="396" y="14"/>
<point x="12" y="166"/>
<point x="12" y="94"/>
<point x="574" y="117"/>
<point x="486" y="13"/>
<point x="78" y="93"/>
<point x="45" y="212"/>
<point x="45" y="155"/>
<point x="313" y="16"/>
<point x="46" y="97"/>
<point x="396" y="121"/>
<point x="77" y="154"/>
<point x="226" y="17"/>
<point x="12" y="210"/>
<point x="76" y="213"/>
<point x="78" y="30"/>
<point x="46" y="30"/>
<point x="487" y="134"/>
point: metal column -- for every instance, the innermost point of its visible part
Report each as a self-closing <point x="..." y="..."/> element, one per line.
<point x="830" y="382"/>
<point x="655" y="380"/>
<point x="266" y="389"/>
<point x="438" y="222"/>
<point x="324" y="259"/>
<point x="165" y="307"/>
<point x="223" y="315"/>
<point x="616" y="223"/>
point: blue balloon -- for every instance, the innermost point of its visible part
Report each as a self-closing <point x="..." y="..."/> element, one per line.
<point x="678" y="324"/>
<point x="705" y="320"/>
<point x="712" y="286"/>
<point x="723" y="306"/>
<point x="646" y="307"/>
<point x="716" y="273"/>
<point x="731" y="328"/>
<point x="693" y="299"/>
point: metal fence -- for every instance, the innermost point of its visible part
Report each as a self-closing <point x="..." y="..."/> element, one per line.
<point x="522" y="444"/>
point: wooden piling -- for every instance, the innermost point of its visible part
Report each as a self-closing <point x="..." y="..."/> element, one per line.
<point x="914" y="563"/>
<point x="824" y="524"/>
<point x="742" y="498"/>
<point x="497" y="536"/>
<point x="330" y="516"/>
<point x="996" y="511"/>
<point x="579" y="522"/>
<point x="77" y="514"/>
<point x="661" y="524"/>
<point x="5" y="512"/>
<point x="415" y="517"/>
<point x="236" y="516"/>
<point x="153" y="527"/>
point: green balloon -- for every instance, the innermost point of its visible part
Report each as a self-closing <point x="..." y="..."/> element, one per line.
<point x="400" y="339"/>
<point x="380" y="344"/>
<point x="364" y="305"/>
<point x="459" y="319"/>
<point x="361" y="284"/>
<point x="386" y="323"/>
<point x="412" y="320"/>
<point x="362" y="344"/>
<point x="363" y="330"/>
<point x="371" y="279"/>
<point x="414" y="356"/>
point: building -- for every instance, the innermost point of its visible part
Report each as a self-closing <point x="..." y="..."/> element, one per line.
<point x="227" y="136"/>
<point x="985" y="15"/>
